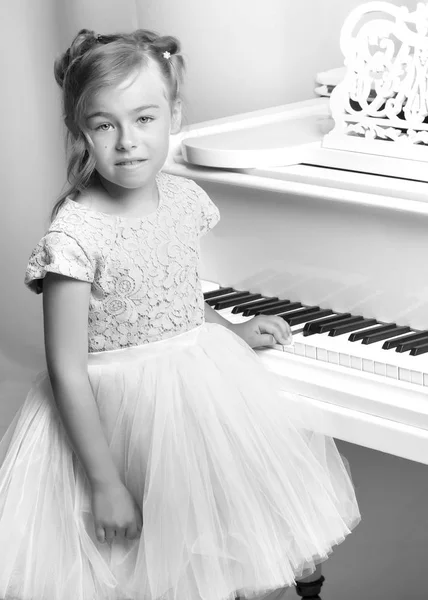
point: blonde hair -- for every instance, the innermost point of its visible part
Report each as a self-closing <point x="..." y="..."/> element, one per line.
<point x="93" y="62"/>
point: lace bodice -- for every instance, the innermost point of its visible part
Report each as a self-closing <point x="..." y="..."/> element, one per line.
<point x="143" y="270"/>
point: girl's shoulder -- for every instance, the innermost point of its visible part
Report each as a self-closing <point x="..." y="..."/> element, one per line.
<point x="182" y="189"/>
<point x="77" y="218"/>
<point x="186" y="191"/>
<point x="68" y="247"/>
<point x="177" y="184"/>
<point x="74" y="229"/>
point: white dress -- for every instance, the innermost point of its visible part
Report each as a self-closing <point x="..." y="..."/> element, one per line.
<point x="234" y="497"/>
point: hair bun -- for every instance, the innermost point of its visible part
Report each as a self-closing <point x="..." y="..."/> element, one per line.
<point x="84" y="40"/>
<point x="60" y="67"/>
<point x="169" y="43"/>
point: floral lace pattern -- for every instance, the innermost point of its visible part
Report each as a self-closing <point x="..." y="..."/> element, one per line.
<point x="143" y="270"/>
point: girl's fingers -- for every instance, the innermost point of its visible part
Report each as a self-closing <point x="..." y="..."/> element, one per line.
<point x="277" y="327"/>
<point x="110" y="534"/>
<point x="101" y="535"/>
<point x="284" y="328"/>
<point x="266" y="339"/>
<point x="109" y="537"/>
<point x="133" y="532"/>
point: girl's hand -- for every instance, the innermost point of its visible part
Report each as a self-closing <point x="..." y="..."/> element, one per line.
<point x="115" y="512"/>
<point x="264" y="330"/>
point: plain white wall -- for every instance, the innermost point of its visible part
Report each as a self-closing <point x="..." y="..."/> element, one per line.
<point x="32" y="173"/>
<point x="103" y="16"/>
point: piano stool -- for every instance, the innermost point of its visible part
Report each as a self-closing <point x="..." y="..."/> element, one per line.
<point x="305" y="589"/>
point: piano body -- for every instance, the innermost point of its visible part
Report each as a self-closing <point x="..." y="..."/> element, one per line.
<point x="324" y="203"/>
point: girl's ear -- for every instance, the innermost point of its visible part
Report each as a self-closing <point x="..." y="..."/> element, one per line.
<point x="176" y="117"/>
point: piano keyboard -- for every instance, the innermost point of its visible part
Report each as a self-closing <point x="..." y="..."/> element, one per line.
<point x="351" y="341"/>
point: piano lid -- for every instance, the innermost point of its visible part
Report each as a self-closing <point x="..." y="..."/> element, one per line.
<point x="376" y="120"/>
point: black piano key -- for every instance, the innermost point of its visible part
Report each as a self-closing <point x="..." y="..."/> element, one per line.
<point x="256" y="310"/>
<point x="298" y="319"/>
<point x="404" y="346"/>
<point x="355" y="337"/>
<point x="218" y="304"/>
<point x="347" y="328"/>
<point x="378" y="337"/>
<point x="419" y="349"/>
<point x="414" y="337"/>
<point x="280" y="309"/>
<point x="305" y="311"/>
<point x="310" y="328"/>
<point x="256" y="304"/>
<point x="234" y="294"/>
<point x="226" y="303"/>
<point x="328" y="326"/>
<point x="212" y="301"/>
<point x="219" y="292"/>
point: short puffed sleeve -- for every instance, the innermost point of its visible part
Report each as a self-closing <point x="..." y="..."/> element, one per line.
<point x="209" y="214"/>
<point x="58" y="252"/>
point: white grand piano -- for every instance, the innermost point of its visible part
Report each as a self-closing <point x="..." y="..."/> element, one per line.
<point x="324" y="207"/>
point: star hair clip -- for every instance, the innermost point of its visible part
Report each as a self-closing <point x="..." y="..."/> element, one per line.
<point x="166" y="54"/>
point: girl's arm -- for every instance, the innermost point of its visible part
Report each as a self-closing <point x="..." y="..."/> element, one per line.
<point x="65" y="309"/>
<point x="212" y="316"/>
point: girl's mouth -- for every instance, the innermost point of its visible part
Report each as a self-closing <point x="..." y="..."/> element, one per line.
<point x="130" y="163"/>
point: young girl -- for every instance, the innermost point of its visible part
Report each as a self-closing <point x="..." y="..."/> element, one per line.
<point x="154" y="458"/>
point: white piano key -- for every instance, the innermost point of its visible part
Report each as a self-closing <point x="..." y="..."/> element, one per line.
<point x="367" y="365"/>
<point x="299" y="349"/>
<point x="322" y="354"/>
<point x="228" y="314"/>
<point x="209" y="286"/>
<point x="417" y="377"/>
<point x="356" y="363"/>
<point x="404" y="374"/>
<point x="344" y="360"/>
<point x="392" y="371"/>
<point x="333" y="357"/>
<point x="310" y="352"/>
<point x="380" y="368"/>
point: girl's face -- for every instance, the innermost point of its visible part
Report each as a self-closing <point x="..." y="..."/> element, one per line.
<point x="129" y="126"/>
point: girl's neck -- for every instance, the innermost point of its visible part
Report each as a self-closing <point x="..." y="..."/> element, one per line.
<point x="108" y="198"/>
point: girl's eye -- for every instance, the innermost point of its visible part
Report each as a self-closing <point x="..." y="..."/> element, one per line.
<point x="145" y="120"/>
<point x="103" y="127"/>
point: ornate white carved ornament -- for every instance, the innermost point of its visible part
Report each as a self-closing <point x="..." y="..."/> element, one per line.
<point x="381" y="105"/>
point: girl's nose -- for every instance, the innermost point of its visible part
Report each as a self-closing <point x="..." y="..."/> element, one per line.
<point x="126" y="140"/>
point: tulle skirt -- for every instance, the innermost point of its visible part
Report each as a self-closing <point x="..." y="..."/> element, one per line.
<point x="235" y="499"/>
